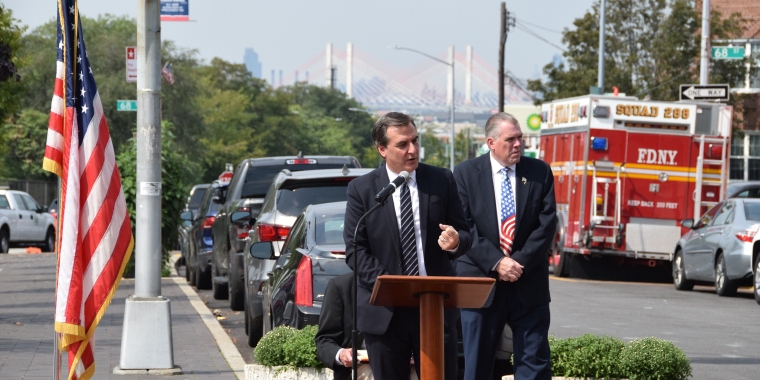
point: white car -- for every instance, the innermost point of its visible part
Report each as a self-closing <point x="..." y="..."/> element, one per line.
<point x="24" y="222"/>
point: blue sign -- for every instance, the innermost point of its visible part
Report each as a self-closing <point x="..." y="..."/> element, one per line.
<point x="175" y="10"/>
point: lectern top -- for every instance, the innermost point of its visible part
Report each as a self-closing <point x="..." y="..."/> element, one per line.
<point x="404" y="291"/>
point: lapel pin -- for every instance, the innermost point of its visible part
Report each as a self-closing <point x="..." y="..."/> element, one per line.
<point x="525" y="181"/>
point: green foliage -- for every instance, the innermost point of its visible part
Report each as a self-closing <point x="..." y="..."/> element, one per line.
<point x="10" y="43"/>
<point x="654" y="359"/>
<point x="25" y="138"/>
<point x="286" y="346"/>
<point x="610" y="358"/>
<point x="270" y="350"/>
<point x="173" y="188"/>
<point x="651" y="47"/>
<point x="586" y="356"/>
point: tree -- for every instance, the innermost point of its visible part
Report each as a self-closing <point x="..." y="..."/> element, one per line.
<point x="651" y="47"/>
<point x="25" y="136"/>
<point x="10" y="43"/>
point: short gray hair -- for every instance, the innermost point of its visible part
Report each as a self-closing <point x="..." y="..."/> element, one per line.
<point x="492" y="125"/>
<point x="390" y="119"/>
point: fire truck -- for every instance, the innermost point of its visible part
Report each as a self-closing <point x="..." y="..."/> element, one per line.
<point x="627" y="171"/>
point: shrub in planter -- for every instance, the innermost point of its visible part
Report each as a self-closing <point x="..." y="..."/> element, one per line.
<point x="286" y="346"/>
<point x="586" y="356"/>
<point x="654" y="359"/>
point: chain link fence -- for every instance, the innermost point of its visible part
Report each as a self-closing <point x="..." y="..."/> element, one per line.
<point x="43" y="192"/>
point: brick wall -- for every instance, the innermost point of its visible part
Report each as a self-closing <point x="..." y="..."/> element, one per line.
<point x="750" y="9"/>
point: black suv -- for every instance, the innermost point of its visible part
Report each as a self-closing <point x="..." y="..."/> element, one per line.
<point x="249" y="185"/>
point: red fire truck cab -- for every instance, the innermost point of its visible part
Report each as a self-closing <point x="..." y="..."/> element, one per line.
<point x="627" y="171"/>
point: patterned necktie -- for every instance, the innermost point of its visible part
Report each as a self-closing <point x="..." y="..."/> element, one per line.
<point x="507" y="228"/>
<point x="408" y="242"/>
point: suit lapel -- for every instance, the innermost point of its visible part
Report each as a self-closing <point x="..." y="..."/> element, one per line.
<point x="485" y="182"/>
<point x="388" y="209"/>
<point x="423" y="190"/>
<point x="521" y="194"/>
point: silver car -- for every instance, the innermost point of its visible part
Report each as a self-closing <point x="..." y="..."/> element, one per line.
<point x="718" y="249"/>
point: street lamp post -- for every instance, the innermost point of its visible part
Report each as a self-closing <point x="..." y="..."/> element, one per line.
<point x="453" y="97"/>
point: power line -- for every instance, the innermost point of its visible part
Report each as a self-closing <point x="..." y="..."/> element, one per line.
<point x="539" y="26"/>
<point x="534" y="34"/>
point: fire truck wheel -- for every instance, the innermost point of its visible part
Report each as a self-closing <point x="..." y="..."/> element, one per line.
<point x="679" y="276"/>
<point x="559" y="257"/>
<point x="757" y="279"/>
<point x="723" y="286"/>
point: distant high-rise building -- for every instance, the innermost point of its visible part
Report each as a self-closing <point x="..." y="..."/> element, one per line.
<point x="252" y="62"/>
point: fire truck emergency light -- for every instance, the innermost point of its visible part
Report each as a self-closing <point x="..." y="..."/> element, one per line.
<point x="715" y="151"/>
<point x="599" y="143"/>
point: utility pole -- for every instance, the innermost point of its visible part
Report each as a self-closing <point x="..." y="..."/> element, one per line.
<point x="600" y="78"/>
<point x="146" y="342"/>
<point x="506" y="22"/>
<point x="704" y="59"/>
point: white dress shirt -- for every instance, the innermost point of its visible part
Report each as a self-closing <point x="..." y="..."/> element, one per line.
<point x="414" y="193"/>
<point x="498" y="178"/>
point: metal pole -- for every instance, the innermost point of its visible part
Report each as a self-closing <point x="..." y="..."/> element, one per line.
<point x="502" y="40"/>
<point x="453" y="100"/>
<point x="704" y="61"/>
<point x="146" y="341"/>
<point x="600" y="80"/>
<point x="148" y="205"/>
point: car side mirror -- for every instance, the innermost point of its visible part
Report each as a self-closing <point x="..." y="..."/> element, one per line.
<point x="688" y="223"/>
<point x="186" y="216"/>
<point x="262" y="250"/>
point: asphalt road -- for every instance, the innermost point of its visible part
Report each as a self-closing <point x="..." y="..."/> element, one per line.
<point x="720" y="335"/>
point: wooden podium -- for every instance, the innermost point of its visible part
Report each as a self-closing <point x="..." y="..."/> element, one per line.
<point x="431" y="294"/>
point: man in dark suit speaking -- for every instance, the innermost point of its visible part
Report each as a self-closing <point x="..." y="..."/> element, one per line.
<point x="509" y="205"/>
<point x="418" y="232"/>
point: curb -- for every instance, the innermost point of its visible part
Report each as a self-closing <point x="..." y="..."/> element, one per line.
<point x="223" y="341"/>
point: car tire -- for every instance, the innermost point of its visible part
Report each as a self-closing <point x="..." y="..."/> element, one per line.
<point x="220" y="291"/>
<point x="245" y="310"/>
<point x="757" y="280"/>
<point x="5" y="241"/>
<point x="560" y="258"/>
<point x="50" y="240"/>
<point x="202" y="279"/>
<point x="723" y="285"/>
<point x="255" y="329"/>
<point x="191" y="273"/>
<point x="679" y="275"/>
<point x="237" y="301"/>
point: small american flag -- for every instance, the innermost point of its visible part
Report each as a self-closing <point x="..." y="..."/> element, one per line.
<point x="95" y="239"/>
<point x="168" y="73"/>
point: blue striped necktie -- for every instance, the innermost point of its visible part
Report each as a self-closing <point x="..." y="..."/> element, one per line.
<point x="409" y="263"/>
<point x="507" y="215"/>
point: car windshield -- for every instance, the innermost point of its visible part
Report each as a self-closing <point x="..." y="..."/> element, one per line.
<point x="752" y="211"/>
<point x="258" y="178"/>
<point x="292" y="201"/>
<point x="330" y="229"/>
<point x="195" y="199"/>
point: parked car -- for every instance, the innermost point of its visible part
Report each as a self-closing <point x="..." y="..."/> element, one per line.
<point x="718" y="248"/>
<point x="192" y="204"/>
<point x="743" y="189"/>
<point x="247" y="189"/>
<point x="200" y="239"/>
<point x="289" y="193"/>
<point x="24" y="222"/>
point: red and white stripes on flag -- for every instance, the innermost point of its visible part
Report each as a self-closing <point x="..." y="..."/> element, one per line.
<point x="95" y="237"/>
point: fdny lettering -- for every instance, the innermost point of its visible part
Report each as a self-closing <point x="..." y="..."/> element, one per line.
<point x="659" y="157"/>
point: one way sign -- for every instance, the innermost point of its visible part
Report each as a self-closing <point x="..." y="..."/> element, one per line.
<point x="704" y="92"/>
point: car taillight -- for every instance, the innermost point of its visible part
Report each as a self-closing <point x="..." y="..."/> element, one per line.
<point x="304" y="291"/>
<point x="746" y="236"/>
<point x="209" y="222"/>
<point x="270" y="232"/>
<point x="343" y="252"/>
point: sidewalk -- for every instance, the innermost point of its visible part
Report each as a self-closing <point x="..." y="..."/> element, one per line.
<point x="27" y="286"/>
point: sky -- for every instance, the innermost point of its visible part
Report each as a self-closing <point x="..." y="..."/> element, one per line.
<point x="287" y="33"/>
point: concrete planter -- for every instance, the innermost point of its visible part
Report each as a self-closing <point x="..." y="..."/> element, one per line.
<point x="261" y="372"/>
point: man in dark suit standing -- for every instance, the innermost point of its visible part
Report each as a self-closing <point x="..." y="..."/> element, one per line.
<point x="509" y="205"/>
<point x="418" y="232"/>
<point x="333" y="337"/>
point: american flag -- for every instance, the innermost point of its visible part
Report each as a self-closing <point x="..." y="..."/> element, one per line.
<point x="507" y="226"/>
<point x="95" y="239"/>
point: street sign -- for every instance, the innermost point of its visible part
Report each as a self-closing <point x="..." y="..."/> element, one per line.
<point x="704" y="92"/>
<point x="131" y="64"/>
<point x="727" y="52"/>
<point x="126" y="105"/>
